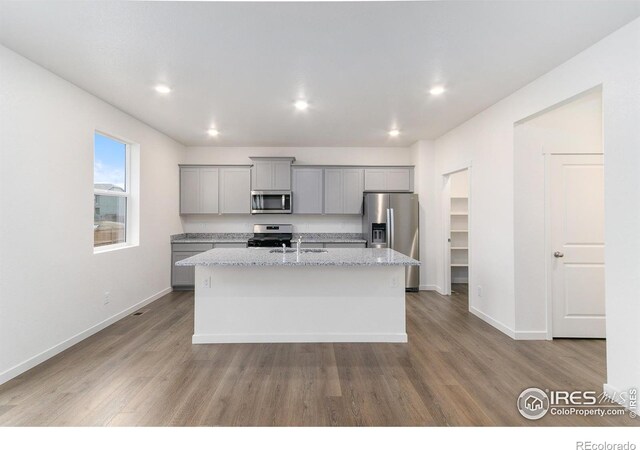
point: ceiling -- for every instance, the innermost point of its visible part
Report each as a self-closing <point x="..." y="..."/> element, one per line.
<point x="364" y="67"/>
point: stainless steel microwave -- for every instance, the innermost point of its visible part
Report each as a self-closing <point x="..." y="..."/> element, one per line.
<point x="271" y="202"/>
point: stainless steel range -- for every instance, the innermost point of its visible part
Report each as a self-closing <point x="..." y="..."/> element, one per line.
<point x="271" y="235"/>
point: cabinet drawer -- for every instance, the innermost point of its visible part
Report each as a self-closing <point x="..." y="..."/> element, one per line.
<point x="196" y="247"/>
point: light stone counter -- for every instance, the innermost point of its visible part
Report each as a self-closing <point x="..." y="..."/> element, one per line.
<point x="306" y="257"/>
<point x="307" y="238"/>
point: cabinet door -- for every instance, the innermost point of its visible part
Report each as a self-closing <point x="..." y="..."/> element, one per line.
<point x="189" y="190"/>
<point x="182" y="276"/>
<point x="262" y="175"/>
<point x="353" y="186"/>
<point x="235" y="190"/>
<point x="375" y="180"/>
<point x="307" y="191"/>
<point x="333" y="191"/>
<point x="208" y="190"/>
<point x="282" y="175"/>
<point x="398" y="179"/>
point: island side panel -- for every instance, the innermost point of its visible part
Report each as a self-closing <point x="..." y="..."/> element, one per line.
<point x="299" y="304"/>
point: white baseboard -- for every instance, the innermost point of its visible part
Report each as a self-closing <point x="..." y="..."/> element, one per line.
<point x="62" y="346"/>
<point x="616" y="394"/>
<point x="531" y="335"/>
<point x="428" y="287"/>
<point x="431" y="287"/>
<point x="493" y="322"/>
<point x="272" y="338"/>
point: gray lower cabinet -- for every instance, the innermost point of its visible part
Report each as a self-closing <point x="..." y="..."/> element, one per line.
<point x="306" y="186"/>
<point x="184" y="277"/>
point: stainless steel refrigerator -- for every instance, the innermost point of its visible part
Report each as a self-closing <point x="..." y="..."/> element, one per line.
<point x="391" y="221"/>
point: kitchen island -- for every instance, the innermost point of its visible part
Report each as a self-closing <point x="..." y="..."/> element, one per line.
<point x="315" y="295"/>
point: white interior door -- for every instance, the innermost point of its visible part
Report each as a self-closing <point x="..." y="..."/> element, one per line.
<point x="576" y="199"/>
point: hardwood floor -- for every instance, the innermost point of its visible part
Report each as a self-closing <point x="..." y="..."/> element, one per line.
<point x="455" y="370"/>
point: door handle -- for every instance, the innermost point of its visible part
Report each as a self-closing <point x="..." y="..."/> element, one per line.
<point x="388" y="228"/>
<point x="393" y="229"/>
<point x="558" y="254"/>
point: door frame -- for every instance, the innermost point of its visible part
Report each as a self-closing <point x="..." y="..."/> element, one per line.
<point x="548" y="246"/>
<point x="446" y="226"/>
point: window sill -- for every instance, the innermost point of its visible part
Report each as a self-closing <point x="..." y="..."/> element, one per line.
<point x="112" y="248"/>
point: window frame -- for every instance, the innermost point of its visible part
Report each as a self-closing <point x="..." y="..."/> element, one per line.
<point x="126" y="194"/>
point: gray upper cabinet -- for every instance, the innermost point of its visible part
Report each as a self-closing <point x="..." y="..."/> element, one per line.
<point x="333" y="195"/>
<point x="271" y="174"/>
<point x="198" y="190"/>
<point x="262" y="176"/>
<point x="343" y="191"/>
<point x="209" y="190"/>
<point x="399" y="179"/>
<point x="307" y="190"/>
<point x="353" y="188"/>
<point x="189" y="190"/>
<point x="235" y="187"/>
<point x="282" y="175"/>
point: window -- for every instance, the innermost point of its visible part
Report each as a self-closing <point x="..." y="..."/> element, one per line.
<point x="111" y="192"/>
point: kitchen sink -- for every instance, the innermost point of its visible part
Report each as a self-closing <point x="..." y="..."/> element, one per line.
<point x="302" y="250"/>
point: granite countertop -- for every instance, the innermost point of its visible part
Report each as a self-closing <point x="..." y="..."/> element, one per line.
<point x="329" y="237"/>
<point x="198" y="238"/>
<point x="330" y="257"/>
<point x="207" y="238"/>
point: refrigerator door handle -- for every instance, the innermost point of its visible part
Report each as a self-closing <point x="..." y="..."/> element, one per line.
<point x="392" y="230"/>
<point x="388" y="228"/>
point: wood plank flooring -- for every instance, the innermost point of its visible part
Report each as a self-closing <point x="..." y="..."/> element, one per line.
<point x="455" y="370"/>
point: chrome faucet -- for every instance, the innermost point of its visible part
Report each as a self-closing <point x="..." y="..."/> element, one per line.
<point x="299" y="244"/>
<point x="284" y="248"/>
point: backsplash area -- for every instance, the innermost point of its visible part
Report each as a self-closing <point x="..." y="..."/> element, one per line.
<point x="244" y="223"/>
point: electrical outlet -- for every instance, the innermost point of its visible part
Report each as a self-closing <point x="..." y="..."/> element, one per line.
<point x="107" y="297"/>
<point x="206" y="283"/>
<point x="479" y="291"/>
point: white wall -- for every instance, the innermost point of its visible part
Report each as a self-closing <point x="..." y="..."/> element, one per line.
<point x="572" y="127"/>
<point x="459" y="184"/>
<point x="487" y="140"/>
<point x="51" y="283"/>
<point x="303" y="155"/>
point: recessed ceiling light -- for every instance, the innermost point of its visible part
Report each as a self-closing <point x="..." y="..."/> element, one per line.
<point x="394" y="133"/>
<point x="436" y="90"/>
<point x="163" y="89"/>
<point x="301" y="105"/>
<point x="213" y="132"/>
